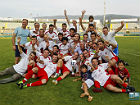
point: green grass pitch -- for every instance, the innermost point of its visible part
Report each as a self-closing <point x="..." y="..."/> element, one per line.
<point x="67" y="91"/>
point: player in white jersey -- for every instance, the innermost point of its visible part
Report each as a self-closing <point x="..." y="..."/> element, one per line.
<point x="44" y="26"/>
<point x="35" y="32"/>
<point x="51" y="34"/>
<point x="17" y="70"/>
<point x="43" y="59"/>
<point x="29" y="45"/>
<point x="46" y="44"/>
<point x="66" y="68"/>
<point x="106" y="80"/>
<point x="64" y="47"/>
<point x="75" y="43"/>
<point x="42" y="73"/>
<point x="109" y="36"/>
<point x="106" y="53"/>
<point x="40" y="37"/>
<point x="59" y="40"/>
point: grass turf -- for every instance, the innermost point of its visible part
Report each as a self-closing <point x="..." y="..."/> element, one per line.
<point x="67" y="91"/>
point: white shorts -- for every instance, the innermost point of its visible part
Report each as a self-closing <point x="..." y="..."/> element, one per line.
<point x="89" y="83"/>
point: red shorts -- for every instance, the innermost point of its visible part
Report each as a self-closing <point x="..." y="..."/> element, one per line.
<point x="42" y="74"/>
<point x="109" y="81"/>
<point x="116" y="58"/>
<point x="64" y="69"/>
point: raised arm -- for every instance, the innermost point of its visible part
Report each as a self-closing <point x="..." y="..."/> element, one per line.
<point x="83" y="12"/>
<point x="65" y="13"/>
<point x="55" y="20"/>
<point x="18" y="42"/>
<point x="81" y="24"/>
<point x="119" y="28"/>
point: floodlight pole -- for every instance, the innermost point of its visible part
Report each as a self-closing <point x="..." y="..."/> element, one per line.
<point x="104" y="11"/>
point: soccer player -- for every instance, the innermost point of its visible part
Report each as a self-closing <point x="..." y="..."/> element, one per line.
<point x="65" y="68"/>
<point x="29" y="46"/>
<point x="23" y="33"/>
<point x="40" y="36"/>
<point x="35" y="32"/>
<point x="87" y="81"/>
<point x="44" y="26"/>
<point x="106" y="80"/>
<point x="18" y="70"/>
<point x="42" y="73"/>
<point x="51" y="34"/>
<point x="122" y="72"/>
<point x="109" y="36"/>
<point x="64" y="46"/>
<point x="106" y="53"/>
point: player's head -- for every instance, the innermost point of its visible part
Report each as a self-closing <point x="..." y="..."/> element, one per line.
<point x="82" y="58"/>
<point x="24" y="23"/>
<point x="60" y="36"/>
<point x="82" y="45"/>
<point x="84" y="68"/>
<point x="32" y="55"/>
<point x="64" y="40"/>
<point x="46" y="53"/>
<point x="77" y="37"/>
<point x="46" y="37"/>
<point x="91" y="18"/>
<point x="74" y="22"/>
<point x="105" y="30"/>
<point x="100" y="44"/>
<point x="121" y="65"/>
<point x="90" y="44"/>
<point x="36" y="25"/>
<point x="72" y="30"/>
<point x="93" y="36"/>
<point x="91" y="27"/>
<point x="55" y="48"/>
<point x="85" y="37"/>
<point x="34" y="39"/>
<point x="94" y="61"/>
<point x="51" y="27"/>
<point x="94" y="46"/>
<point x="44" y="26"/>
<point x="64" y="26"/>
<point x="86" y="53"/>
<point x="55" y="57"/>
<point x="41" y="32"/>
<point x="75" y="56"/>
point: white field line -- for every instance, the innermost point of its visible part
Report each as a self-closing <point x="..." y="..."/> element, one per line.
<point x="133" y="54"/>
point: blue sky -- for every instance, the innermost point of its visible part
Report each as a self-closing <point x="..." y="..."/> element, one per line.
<point x="24" y="8"/>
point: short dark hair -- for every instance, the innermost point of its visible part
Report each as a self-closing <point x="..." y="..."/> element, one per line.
<point x="83" y="66"/>
<point x="60" y="33"/>
<point x="33" y="53"/>
<point x="94" y="58"/>
<point x="91" y="17"/>
<point x="51" y="25"/>
<point x="64" y="38"/>
<point x="34" y="36"/>
<point x="105" y="28"/>
<point x="64" y="24"/>
<point x="73" y="29"/>
<point x="93" y="33"/>
<point x="56" y="46"/>
<point x="36" y="23"/>
<point x="55" y="54"/>
<point x="85" y="34"/>
<point x="100" y="41"/>
<point x="121" y="61"/>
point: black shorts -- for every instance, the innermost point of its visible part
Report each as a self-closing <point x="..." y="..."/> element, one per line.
<point x="17" y="53"/>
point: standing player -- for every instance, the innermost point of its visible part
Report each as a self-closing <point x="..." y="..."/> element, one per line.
<point x="109" y="36"/>
<point x="23" y="33"/>
<point x="35" y="32"/>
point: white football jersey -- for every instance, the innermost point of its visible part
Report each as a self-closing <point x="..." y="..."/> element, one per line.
<point x="64" y="49"/>
<point x="39" y="39"/>
<point x="100" y="75"/>
<point x="43" y="45"/>
<point x="52" y="35"/>
<point x="50" y="68"/>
